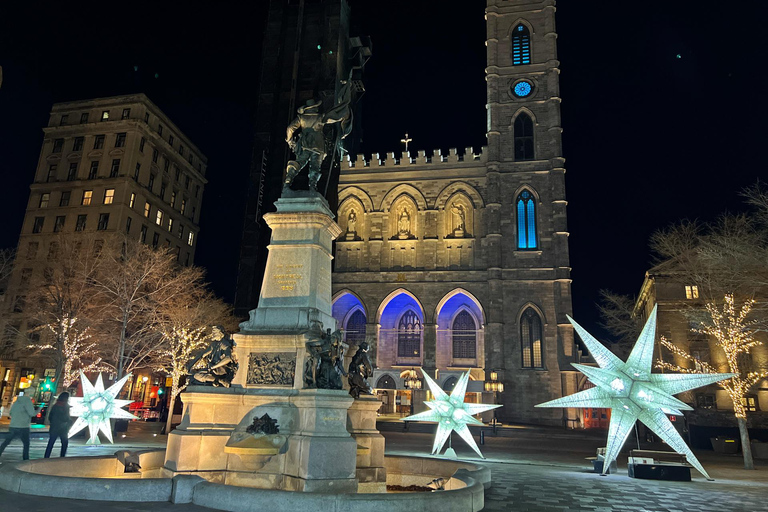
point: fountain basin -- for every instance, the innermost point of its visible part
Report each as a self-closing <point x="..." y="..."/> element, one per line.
<point x="102" y="478"/>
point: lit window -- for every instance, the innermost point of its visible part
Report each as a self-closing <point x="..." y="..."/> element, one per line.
<point x="58" y="144"/>
<point x="44" y="198"/>
<point x="133" y="200"/>
<point x="120" y="140"/>
<point x="103" y="222"/>
<point x="521" y="45"/>
<point x="749" y="403"/>
<point x="464" y="333"/>
<point x="98" y="142"/>
<point x="87" y="195"/>
<point x="530" y="337"/>
<point x="126" y="113"/>
<point x="692" y="292"/>
<point x="409" y="335"/>
<point x="58" y="224"/>
<point x="109" y="196"/>
<point x="64" y="199"/>
<point x="190" y="239"/>
<point x="105" y="115"/>
<point x="37" y="227"/>
<point x="170" y="224"/>
<point x="523" y="137"/>
<point x="147" y="209"/>
<point x="159" y="217"/>
<point x="526" y="221"/>
<point x="93" y="171"/>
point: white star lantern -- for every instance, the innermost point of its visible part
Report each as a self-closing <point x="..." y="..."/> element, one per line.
<point x="632" y="392"/>
<point x="97" y="406"/>
<point x="451" y="413"/>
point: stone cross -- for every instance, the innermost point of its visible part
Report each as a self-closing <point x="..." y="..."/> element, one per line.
<point x="405" y="141"/>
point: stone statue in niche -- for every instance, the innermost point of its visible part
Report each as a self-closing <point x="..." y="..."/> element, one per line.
<point x="404" y="223"/>
<point x="220" y="362"/>
<point x="325" y="362"/>
<point x="351" y="225"/>
<point x="309" y="139"/>
<point x="360" y="370"/>
<point x="460" y="214"/>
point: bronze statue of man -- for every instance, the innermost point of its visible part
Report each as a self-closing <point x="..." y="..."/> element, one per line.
<point x="306" y="138"/>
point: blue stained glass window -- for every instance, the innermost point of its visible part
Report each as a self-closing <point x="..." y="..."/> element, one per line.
<point x="526" y="221"/>
<point x="521" y="45"/>
<point x="522" y="89"/>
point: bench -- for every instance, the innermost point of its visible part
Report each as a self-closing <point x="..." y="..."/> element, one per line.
<point x="657" y="465"/>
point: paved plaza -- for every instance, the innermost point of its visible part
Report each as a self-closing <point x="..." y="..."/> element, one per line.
<point x="534" y="469"/>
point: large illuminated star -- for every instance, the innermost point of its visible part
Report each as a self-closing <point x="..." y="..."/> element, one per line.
<point x="451" y="413"/>
<point x="97" y="406"/>
<point x="633" y="393"/>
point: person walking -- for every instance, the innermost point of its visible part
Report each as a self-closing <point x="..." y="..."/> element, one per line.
<point x="22" y="411"/>
<point x="60" y="422"/>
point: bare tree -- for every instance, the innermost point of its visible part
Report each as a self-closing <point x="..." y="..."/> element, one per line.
<point x="79" y="353"/>
<point x="63" y="303"/>
<point x="136" y="285"/>
<point x="185" y="324"/>
<point x="734" y="334"/>
<point x="7" y="257"/>
<point x="618" y="318"/>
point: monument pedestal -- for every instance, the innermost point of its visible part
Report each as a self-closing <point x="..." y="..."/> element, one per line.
<point x="361" y="423"/>
<point x="311" y="448"/>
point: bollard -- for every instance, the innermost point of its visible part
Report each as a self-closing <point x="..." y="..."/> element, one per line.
<point x="482" y="436"/>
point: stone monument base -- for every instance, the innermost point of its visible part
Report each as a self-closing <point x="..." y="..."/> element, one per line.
<point x="312" y="450"/>
<point x="361" y="423"/>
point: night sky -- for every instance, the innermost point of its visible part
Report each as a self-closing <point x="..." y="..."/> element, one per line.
<point x="664" y="105"/>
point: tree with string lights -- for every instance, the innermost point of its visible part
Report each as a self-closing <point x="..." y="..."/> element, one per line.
<point x="734" y="333"/>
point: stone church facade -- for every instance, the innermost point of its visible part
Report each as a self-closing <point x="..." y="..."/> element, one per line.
<point x="459" y="260"/>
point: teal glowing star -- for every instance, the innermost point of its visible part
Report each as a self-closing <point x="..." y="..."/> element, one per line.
<point x="451" y="413"/>
<point x="97" y="406"/>
<point x="633" y="393"/>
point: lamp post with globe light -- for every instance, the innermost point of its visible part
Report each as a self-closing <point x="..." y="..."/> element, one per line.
<point x="495" y="386"/>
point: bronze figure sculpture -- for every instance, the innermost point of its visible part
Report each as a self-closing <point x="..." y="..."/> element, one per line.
<point x="220" y="361"/>
<point x="360" y="370"/>
<point x="325" y="362"/>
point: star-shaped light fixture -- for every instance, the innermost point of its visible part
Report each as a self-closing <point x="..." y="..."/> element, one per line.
<point x="97" y="406"/>
<point x="632" y="392"/>
<point x="451" y="413"/>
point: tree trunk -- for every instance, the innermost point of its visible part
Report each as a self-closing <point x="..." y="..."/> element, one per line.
<point x="746" y="447"/>
<point x="121" y="351"/>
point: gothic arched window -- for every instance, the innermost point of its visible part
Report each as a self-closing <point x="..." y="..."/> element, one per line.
<point x="521" y="45"/>
<point x="355" y="329"/>
<point x="464" y="333"/>
<point x="530" y="336"/>
<point x="409" y="335"/>
<point x="523" y="135"/>
<point x="526" y="221"/>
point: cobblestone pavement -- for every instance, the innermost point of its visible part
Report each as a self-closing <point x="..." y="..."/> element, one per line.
<point x="533" y="470"/>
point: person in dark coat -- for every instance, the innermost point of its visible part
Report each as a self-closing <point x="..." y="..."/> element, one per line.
<point x="60" y="422"/>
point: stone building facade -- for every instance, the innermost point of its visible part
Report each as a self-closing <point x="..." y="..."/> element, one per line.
<point x="459" y="260"/>
<point x="678" y="301"/>
<point x="115" y="164"/>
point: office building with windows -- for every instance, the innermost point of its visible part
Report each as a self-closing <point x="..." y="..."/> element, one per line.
<point x="113" y="164"/>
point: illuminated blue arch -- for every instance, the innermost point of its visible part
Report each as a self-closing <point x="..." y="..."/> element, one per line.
<point x="527" y="234"/>
<point x="401" y="321"/>
<point x="350" y="315"/>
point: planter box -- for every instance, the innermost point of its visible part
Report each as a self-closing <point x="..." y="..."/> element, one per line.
<point x="727" y="445"/>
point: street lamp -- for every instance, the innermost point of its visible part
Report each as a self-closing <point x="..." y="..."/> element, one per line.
<point x="494" y="386"/>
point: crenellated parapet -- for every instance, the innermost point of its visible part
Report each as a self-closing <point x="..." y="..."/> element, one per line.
<point x="401" y="160"/>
